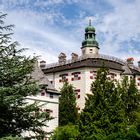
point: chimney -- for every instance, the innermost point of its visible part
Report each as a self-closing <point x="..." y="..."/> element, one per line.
<point x="42" y="64"/>
<point x="139" y="64"/>
<point x="74" y="56"/>
<point x="62" y="58"/>
<point x="130" y="61"/>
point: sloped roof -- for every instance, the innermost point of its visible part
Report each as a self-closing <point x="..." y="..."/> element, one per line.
<point x="135" y="72"/>
<point x="127" y="70"/>
<point x="89" y="62"/>
<point x="130" y="70"/>
<point x="93" y="61"/>
<point x="41" y="79"/>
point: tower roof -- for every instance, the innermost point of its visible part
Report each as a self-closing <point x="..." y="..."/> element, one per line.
<point x="90" y="28"/>
<point x="90" y="37"/>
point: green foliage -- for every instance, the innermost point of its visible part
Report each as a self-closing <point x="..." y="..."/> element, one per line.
<point x="130" y="97"/>
<point x="132" y="134"/>
<point x="16" y="116"/>
<point x="11" y="138"/>
<point x="67" y="107"/>
<point x="67" y="132"/>
<point x="103" y="113"/>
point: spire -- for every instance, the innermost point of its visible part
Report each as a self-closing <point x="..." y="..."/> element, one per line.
<point x="89" y="22"/>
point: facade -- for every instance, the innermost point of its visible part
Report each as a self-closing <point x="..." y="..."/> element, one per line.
<point x="80" y="71"/>
<point x="48" y="99"/>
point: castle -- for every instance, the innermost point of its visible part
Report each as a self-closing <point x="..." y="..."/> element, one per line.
<point x="80" y="71"/>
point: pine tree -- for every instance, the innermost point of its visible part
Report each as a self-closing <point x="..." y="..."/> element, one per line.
<point x="130" y="98"/>
<point x="16" y="115"/>
<point x="67" y="107"/>
<point x="103" y="113"/>
<point x="67" y="132"/>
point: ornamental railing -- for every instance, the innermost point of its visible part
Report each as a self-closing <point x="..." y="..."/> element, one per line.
<point x="83" y="57"/>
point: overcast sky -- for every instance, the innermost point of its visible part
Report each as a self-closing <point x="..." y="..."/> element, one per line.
<point x="48" y="27"/>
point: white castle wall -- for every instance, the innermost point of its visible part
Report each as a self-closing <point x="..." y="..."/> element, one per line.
<point x="48" y="103"/>
<point x="84" y="84"/>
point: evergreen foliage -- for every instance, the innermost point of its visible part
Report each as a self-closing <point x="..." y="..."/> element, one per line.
<point x="103" y="113"/>
<point x="16" y="116"/>
<point x="11" y="138"/>
<point x="68" y="112"/>
<point x="130" y="97"/>
<point x="131" y="134"/>
<point x="67" y="132"/>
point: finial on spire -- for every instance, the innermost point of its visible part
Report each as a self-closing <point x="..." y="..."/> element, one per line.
<point x="89" y="22"/>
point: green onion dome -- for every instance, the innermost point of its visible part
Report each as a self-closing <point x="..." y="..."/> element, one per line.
<point x="90" y="43"/>
<point x="89" y="29"/>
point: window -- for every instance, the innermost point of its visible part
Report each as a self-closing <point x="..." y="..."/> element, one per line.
<point x="90" y="35"/>
<point x="48" y="111"/>
<point x="40" y="109"/>
<point x="77" y="91"/>
<point x="93" y="74"/>
<point x="63" y="77"/>
<point x="51" y="95"/>
<point x="90" y="50"/>
<point x="78" y="108"/>
<point x="138" y="81"/>
<point x="112" y="76"/>
<point x="76" y="76"/>
<point x="78" y="96"/>
<point x="83" y="51"/>
<point x="43" y="93"/>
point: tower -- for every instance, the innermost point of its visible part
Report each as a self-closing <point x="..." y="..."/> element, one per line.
<point x="90" y="45"/>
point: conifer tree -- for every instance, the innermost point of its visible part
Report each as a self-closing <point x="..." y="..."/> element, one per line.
<point x="16" y="115"/>
<point x="103" y="113"/>
<point x="67" y="132"/>
<point x="67" y="105"/>
<point x="130" y="98"/>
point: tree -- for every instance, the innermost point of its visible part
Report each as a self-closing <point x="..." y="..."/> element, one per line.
<point x="130" y="98"/>
<point x="103" y="113"/>
<point x="16" y="115"/>
<point x="67" y="107"/>
<point x="131" y="134"/>
<point x="11" y="138"/>
<point x="67" y="132"/>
